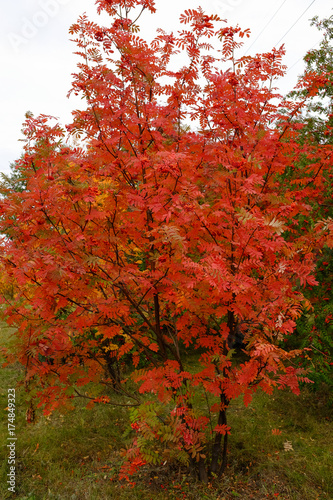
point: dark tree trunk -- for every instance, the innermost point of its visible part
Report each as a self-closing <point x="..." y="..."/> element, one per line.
<point x="217" y="452"/>
<point x="224" y="454"/>
<point x="113" y="370"/>
<point x="203" y="475"/>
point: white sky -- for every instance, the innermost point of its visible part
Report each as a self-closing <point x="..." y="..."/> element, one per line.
<point x="37" y="56"/>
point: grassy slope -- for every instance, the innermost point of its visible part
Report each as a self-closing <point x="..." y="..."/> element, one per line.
<point x="75" y="455"/>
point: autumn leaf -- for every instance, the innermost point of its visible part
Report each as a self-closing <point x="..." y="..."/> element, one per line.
<point x="287" y="446"/>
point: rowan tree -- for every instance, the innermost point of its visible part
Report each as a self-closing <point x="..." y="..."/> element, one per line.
<point x="153" y="230"/>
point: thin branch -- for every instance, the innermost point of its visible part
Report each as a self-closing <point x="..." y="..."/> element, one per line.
<point x="112" y="403"/>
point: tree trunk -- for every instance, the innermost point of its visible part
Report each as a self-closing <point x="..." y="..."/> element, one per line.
<point x="217" y="452"/>
<point x="203" y="475"/>
<point x="224" y="454"/>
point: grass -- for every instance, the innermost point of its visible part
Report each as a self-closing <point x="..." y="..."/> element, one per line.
<point x="258" y="455"/>
<point x="75" y="455"/>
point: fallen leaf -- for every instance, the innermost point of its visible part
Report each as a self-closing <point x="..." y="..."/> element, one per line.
<point x="287" y="445"/>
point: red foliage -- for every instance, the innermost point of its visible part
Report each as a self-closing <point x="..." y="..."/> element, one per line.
<point x="162" y="230"/>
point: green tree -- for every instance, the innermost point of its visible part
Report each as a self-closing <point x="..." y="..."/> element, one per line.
<point x="315" y="329"/>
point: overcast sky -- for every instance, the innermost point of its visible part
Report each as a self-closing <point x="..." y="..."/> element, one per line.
<point x="37" y="56"/>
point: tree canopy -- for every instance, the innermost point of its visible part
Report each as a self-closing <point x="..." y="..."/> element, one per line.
<point x="158" y="226"/>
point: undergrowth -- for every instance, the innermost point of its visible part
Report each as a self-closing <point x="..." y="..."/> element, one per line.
<point x="280" y="447"/>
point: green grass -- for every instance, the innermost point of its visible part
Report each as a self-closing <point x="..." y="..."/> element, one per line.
<point x="75" y="455"/>
<point x="257" y="455"/>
